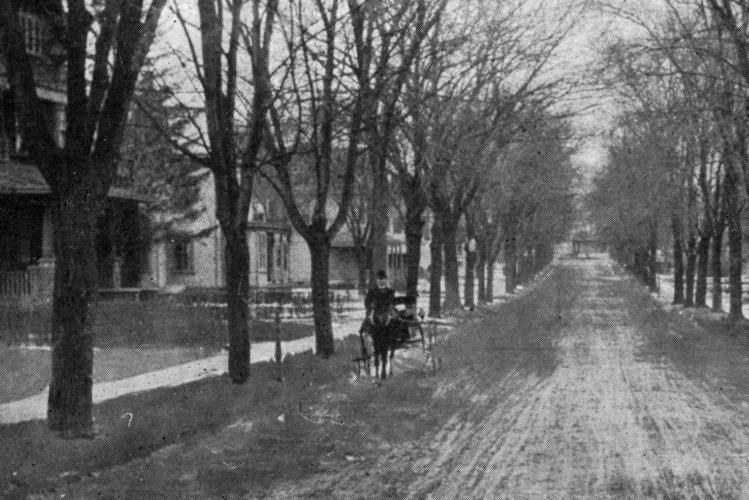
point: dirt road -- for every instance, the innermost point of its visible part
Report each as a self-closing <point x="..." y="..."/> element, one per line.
<point x="583" y="388"/>
<point x="617" y="404"/>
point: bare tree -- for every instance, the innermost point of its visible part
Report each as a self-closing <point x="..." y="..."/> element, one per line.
<point x="315" y="139"/>
<point x="81" y="171"/>
<point x="388" y="38"/>
<point x="227" y="132"/>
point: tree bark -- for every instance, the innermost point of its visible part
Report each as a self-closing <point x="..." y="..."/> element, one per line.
<point x="678" y="257"/>
<point x="703" y="263"/>
<point x="319" y="247"/>
<point x="469" y="284"/>
<point x="481" y="275"/>
<point x="490" y="265"/>
<point x="691" y="266"/>
<point x="470" y="280"/>
<point x="450" y="249"/>
<point x="703" y="245"/>
<point x="380" y="218"/>
<point x="435" y="268"/>
<point x="414" y="230"/>
<point x="237" y="257"/>
<point x="716" y="264"/>
<point x="510" y="267"/>
<point x="653" y="257"/>
<point x="734" y="245"/>
<point x="70" y="404"/>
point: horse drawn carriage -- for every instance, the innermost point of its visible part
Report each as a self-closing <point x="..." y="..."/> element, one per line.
<point x="404" y="330"/>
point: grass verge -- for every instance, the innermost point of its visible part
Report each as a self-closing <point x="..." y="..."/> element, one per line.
<point x="26" y="372"/>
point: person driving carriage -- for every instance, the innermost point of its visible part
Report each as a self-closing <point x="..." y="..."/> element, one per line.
<point x="380" y="307"/>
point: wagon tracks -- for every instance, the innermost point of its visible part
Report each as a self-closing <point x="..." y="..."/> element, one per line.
<point x="608" y="420"/>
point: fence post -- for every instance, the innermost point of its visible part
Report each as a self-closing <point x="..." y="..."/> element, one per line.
<point x="279" y="353"/>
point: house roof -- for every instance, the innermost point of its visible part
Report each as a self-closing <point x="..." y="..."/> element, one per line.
<point x="22" y="178"/>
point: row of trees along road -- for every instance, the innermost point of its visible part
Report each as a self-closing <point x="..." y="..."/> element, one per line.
<point x="678" y="150"/>
<point x="447" y="107"/>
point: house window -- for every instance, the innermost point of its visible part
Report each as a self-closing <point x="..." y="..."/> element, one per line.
<point x="262" y="251"/>
<point x="33" y="33"/>
<point x="258" y="214"/>
<point x="269" y="255"/>
<point x="182" y="257"/>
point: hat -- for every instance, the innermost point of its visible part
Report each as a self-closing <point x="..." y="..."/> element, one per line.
<point x="381" y="275"/>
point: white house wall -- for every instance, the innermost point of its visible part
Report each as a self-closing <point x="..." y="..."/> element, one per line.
<point x="300" y="260"/>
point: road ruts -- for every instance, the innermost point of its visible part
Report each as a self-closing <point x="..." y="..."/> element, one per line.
<point x="627" y="405"/>
<point x="610" y="422"/>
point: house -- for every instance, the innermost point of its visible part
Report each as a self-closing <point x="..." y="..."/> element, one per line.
<point x="189" y="252"/>
<point x="344" y="267"/>
<point x="26" y="230"/>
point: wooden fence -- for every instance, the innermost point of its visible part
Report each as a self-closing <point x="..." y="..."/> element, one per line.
<point x="15" y="284"/>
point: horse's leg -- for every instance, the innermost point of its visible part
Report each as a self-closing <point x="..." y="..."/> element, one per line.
<point x="384" y="355"/>
<point x="377" y="363"/>
<point x="392" y="356"/>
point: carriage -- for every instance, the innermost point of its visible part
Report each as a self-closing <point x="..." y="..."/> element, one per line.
<point x="408" y="323"/>
<point x="406" y="330"/>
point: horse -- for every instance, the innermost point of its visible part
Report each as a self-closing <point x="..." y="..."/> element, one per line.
<point x="387" y="338"/>
<point x="382" y="342"/>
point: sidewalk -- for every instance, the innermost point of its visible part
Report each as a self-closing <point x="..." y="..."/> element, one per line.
<point x="35" y="407"/>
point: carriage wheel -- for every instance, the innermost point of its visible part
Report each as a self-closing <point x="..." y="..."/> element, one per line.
<point x="421" y="335"/>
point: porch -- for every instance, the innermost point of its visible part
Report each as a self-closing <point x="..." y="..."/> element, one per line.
<point x="27" y="262"/>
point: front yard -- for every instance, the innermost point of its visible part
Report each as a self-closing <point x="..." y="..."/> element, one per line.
<point x="154" y="323"/>
<point x="131" y="338"/>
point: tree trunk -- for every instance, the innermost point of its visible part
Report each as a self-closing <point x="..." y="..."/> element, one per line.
<point x="237" y="258"/>
<point x="717" y="270"/>
<point x="414" y="230"/>
<point x="452" y="279"/>
<point x="435" y="268"/>
<point x="522" y="262"/>
<point x="703" y="263"/>
<point x="734" y="245"/>
<point x="470" y="280"/>
<point x="481" y="276"/>
<point x="653" y="257"/>
<point x="70" y="403"/>
<point x="469" y="283"/>
<point x="510" y="259"/>
<point x="319" y="247"/>
<point x="691" y="266"/>
<point x="678" y="256"/>
<point x="379" y="218"/>
<point x="490" y="280"/>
